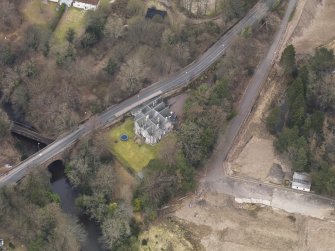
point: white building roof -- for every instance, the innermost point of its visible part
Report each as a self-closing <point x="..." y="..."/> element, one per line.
<point x="302" y="180"/>
<point x="67" y="2"/>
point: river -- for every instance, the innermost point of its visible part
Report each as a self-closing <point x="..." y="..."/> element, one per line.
<point x="67" y="194"/>
<point x="61" y="186"/>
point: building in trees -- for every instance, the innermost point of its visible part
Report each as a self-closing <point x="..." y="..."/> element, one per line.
<point x="153" y="120"/>
<point x="81" y="4"/>
<point x="151" y="12"/>
<point x="68" y="3"/>
<point x="86" y="4"/>
<point x="301" y="181"/>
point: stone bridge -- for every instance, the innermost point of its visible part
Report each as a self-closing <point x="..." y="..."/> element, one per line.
<point x="25" y="131"/>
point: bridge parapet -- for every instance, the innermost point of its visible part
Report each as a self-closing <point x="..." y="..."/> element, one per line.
<point x="24" y="131"/>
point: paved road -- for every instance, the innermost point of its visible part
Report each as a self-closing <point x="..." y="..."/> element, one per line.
<point x="190" y="72"/>
<point x="215" y="170"/>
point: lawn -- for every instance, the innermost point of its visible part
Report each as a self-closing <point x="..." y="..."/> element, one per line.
<point x="72" y="18"/>
<point x="128" y="152"/>
<point x="38" y="12"/>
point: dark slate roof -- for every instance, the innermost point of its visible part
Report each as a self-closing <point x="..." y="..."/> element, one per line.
<point x="151" y="12"/>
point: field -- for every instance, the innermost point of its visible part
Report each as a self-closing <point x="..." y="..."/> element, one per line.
<point x="129" y="153"/>
<point x="38" y="12"/>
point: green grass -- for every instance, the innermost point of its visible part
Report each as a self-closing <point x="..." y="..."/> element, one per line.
<point x="37" y="12"/>
<point x="72" y="18"/>
<point x="128" y="152"/>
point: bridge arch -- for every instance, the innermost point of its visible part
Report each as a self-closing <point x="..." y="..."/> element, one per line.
<point x="56" y="168"/>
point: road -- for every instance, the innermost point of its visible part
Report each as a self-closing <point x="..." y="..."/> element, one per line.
<point x="216" y="165"/>
<point x="180" y="79"/>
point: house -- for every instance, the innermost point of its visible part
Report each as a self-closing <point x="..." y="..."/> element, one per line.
<point x="68" y="3"/>
<point x="81" y="4"/>
<point x="86" y="4"/>
<point x="302" y="181"/>
<point x="153" y="120"/>
<point x="151" y="12"/>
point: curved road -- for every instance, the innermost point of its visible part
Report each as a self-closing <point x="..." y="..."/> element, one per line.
<point x="190" y="72"/>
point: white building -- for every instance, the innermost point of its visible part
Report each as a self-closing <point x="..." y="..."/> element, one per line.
<point x="153" y="121"/>
<point x="68" y="3"/>
<point x="86" y="4"/>
<point x="302" y="181"/>
<point x="81" y="4"/>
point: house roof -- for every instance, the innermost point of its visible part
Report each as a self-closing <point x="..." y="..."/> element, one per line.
<point x="93" y="2"/>
<point x="151" y="12"/>
<point x="302" y="180"/>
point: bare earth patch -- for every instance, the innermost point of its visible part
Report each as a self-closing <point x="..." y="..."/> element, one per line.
<point x="218" y="223"/>
<point x="317" y="31"/>
<point x="244" y="226"/>
<point x="256" y="158"/>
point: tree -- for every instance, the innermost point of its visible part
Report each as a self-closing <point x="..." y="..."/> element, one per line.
<point x="135" y="7"/>
<point x="286" y="139"/>
<point x="7" y="56"/>
<point x="70" y="35"/>
<point x="191" y="137"/>
<point x="233" y="9"/>
<point x="115" y="228"/>
<point x="298" y="153"/>
<point x="323" y="61"/>
<point x="274" y="122"/>
<point x="324" y="180"/>
<point x="297" y="111"/>
<point x="4" y="125"/>
<point x="94" y="31"/>
<point x="9" y="16"/>
<point x="111" y="67"/>
<point x="287" y="60"/>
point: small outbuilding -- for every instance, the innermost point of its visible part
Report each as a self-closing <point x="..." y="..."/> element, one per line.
<point x="151" y="12"/>
<point x="86" y="4"/>
<point x="301" y="181"/>
<point x="68" y="3"/>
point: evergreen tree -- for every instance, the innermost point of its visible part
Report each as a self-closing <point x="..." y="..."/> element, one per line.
<point x="287" y="60"/>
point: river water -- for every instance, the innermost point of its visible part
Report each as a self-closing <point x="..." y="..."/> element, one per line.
<point x="61" y="186"/>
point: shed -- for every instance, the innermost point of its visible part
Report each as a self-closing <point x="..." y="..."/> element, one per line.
<point x="151" y="12"/>
<point x="302" y="181"/>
